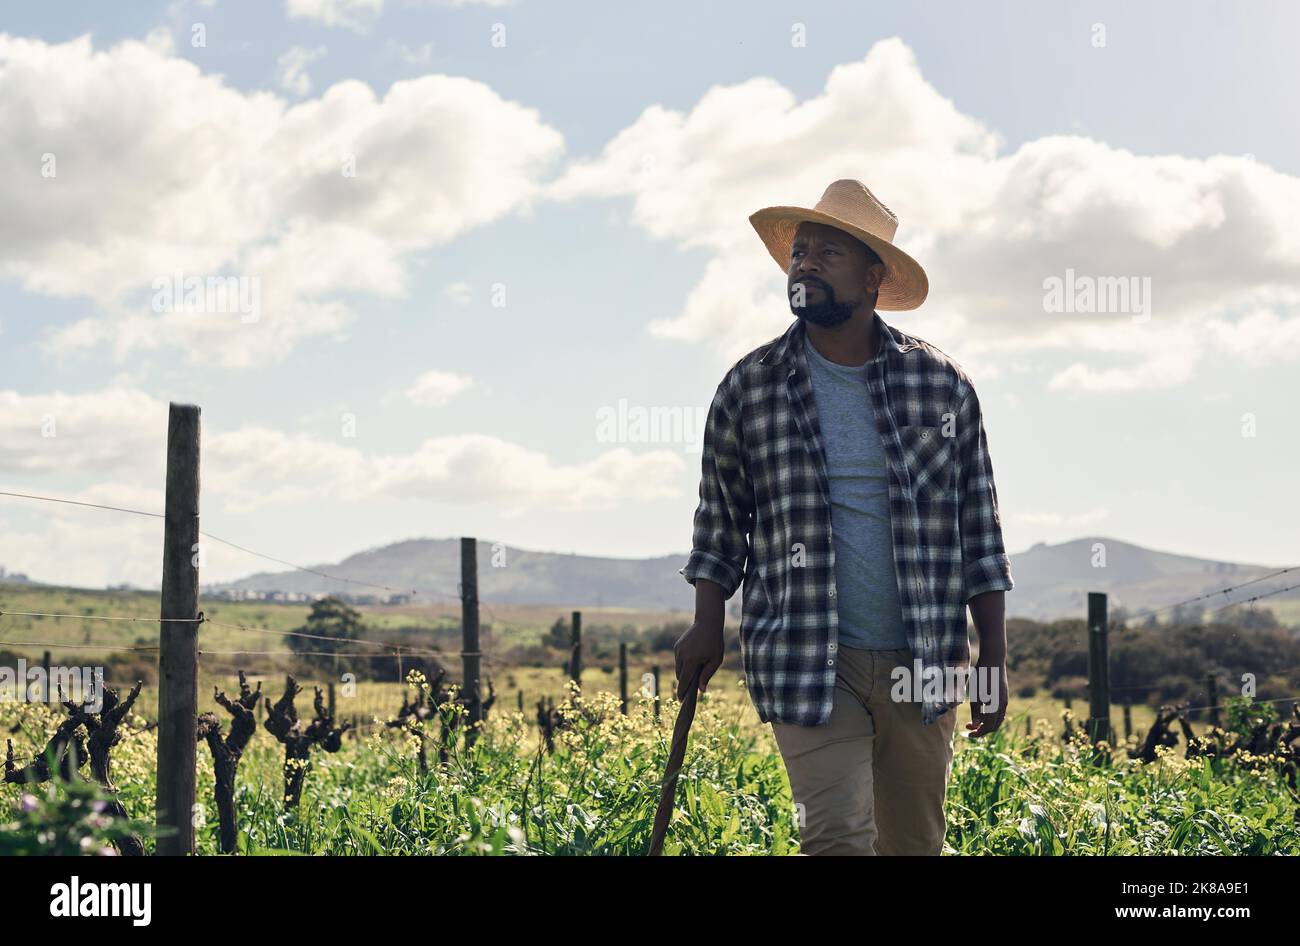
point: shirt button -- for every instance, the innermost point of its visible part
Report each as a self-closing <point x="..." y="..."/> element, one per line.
<point x="830" y="663"/>
<point x="832" y="592"/>
<point x="831" y="647"/>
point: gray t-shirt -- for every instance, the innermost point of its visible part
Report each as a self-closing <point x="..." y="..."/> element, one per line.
<point x="866" y="583"/>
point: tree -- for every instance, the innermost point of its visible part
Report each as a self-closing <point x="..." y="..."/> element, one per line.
<point x="559" y="637"/>
<point x="329" y="618"/>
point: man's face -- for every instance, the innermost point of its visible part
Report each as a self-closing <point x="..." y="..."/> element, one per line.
<point x="830" y="274"/>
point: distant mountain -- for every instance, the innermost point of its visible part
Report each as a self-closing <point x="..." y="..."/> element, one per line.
<point x="1051" y="580"/>
<point x="506" y="574"/>
<point x="1054" y="580"/>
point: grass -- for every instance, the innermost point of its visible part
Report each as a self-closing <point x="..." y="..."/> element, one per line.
<point x="1014" y="793"/>
<point x="1022" y="791"/>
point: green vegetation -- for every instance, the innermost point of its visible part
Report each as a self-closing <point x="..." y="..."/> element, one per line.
<point x="596" y="793"/>
<point x="1023" y="791"/>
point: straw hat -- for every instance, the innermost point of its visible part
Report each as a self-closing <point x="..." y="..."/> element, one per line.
<point x="849" y="206"/>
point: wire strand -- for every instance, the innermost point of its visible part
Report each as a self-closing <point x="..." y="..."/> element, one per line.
<point x="73" y="502"/>
<point x="99" y="617"/>
<point x="1266" y="594"/>
<point x="104" y="647"/>
<point x="319" y="637"/>
<point x="1280" y="699"/>
<point x="1210" y="594"/>
<point x="233" y="545"/>
<point x="316" y="653"/>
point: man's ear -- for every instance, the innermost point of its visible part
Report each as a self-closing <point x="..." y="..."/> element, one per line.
<point x="875" y="276"/>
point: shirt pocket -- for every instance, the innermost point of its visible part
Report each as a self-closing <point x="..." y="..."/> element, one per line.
<point x="928" y="456"/>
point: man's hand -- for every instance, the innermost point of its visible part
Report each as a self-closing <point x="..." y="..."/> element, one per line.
<point x="702" y="644"/>
<point x="988" y="610"/>
<point x="985" y="719"/>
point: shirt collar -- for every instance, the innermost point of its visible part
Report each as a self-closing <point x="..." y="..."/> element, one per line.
<point x="790" y="345"/>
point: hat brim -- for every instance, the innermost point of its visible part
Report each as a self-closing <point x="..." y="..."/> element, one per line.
<point x="905" y="285"/>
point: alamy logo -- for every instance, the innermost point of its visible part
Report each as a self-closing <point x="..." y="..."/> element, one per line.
<point x="1107" y="294"/>
<point x="216" y="294"/>
<point x="635" y="423"/>
<point x="37" y="684"/>
<point x="77" y="899"/>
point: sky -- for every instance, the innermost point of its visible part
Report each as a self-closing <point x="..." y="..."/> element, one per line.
<point x="470" y="243"/>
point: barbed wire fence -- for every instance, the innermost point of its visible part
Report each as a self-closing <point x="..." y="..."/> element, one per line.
<point x="179" y="651"/>
<point x="178" y="647"/>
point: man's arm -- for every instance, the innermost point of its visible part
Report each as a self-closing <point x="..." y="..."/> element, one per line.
<point x="724" y="517"/>
<point x="720" y="541"/>
<point x="985" y="566"/>
<point x="986" y="569"/>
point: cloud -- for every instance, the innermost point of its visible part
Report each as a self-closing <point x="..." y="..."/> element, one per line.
<point x="321" y="198"/>
<point x="411" y="55"/>
<point x="434" y="389"/>
<point x="459" y="292"/>
<point x="115" y="430"/>
<point x="292" y="69"/>
<point x="1057" y="519"/>
<point x="353" y="14"/>
<point x="477" y="468"/>
<point x="86" y="548"/>
<point x="118" y="436"/>
<point x="1213" y="235"/>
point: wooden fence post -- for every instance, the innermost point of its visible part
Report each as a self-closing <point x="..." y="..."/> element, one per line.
<point x="1212" y="692"/>
<point x="471" y="658"/>
<point x="45" y="664"/>
<point x="622" y="675"/>
<point x="575" y="651"/>
<point x="1098" y="670"/>
<point x="178" y="650"/>
<point x="1128" y="716"/>
<point x="656" y="675"/>
<point x="332" y="705"/>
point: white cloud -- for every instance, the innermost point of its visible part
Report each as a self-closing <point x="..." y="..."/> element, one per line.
<point x="118" y="436"/>
<point x="1056" y="519"/>
<point x="434" y="388"/>
<point x="1214" y="235"/>
<point x="115" y="430"/>
<point x="292" y="69"/>
<point x="124" y="208"/>
<point x="411" y="55"/>
<point x="459" y="292"/>
<point x="87" y="548"/>
<point x="476" y="468"/>
<point x="352" y="14"/>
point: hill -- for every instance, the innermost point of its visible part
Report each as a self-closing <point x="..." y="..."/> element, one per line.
<point x="1051" y="580"/>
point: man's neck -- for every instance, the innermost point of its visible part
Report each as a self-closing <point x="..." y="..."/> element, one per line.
<point x="852" y="343"/>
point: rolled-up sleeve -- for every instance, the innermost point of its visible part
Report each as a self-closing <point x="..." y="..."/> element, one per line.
<point x="985" y="565"/>
<point x="724" y="517"/>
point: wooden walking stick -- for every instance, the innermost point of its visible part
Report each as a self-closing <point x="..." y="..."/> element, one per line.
<point x="676" y="753"/>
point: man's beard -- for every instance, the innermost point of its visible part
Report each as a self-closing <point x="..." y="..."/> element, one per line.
<point x="826" y="313"/>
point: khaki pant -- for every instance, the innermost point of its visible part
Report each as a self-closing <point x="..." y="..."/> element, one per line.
<point x="871" y="780"/>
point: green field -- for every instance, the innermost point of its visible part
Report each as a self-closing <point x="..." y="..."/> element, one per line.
<point x="434" y="627"/>
<point x="1011" y="794"/>
<point x="1023" y="791"/>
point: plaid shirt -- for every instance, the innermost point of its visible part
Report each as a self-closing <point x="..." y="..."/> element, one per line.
<point x="764" y="516"/>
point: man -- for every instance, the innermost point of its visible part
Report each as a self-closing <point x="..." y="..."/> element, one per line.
<point x="847" y="482"/>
